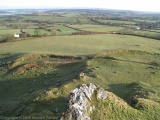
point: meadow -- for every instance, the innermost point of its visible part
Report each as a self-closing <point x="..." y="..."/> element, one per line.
<point x="9" y="31"/>
<point x="80" y="45"/>
<point x="97" y="28"/>
<point x="52" y="19"/>
<point x="118" y="21"/>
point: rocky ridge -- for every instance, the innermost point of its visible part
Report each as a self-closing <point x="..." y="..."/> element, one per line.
<point x="78" y="102"/>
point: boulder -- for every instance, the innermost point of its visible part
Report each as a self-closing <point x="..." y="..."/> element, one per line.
<point x="88" y="89"/>
<point x="56" y="110"/>
<point x="81" y="74"/>
<point x="49" y="93"/>
<point x="101" y="94"/>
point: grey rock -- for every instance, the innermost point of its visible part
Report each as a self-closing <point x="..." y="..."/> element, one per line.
<point x="101" y="94"/>
<point x="78" y="103"/>
<point x="91" y="109"/>
<point x="56" y="110"/>
<point x="49" y="93"/>
<point x="88" y="89"/>
<point x="81" y="74"/>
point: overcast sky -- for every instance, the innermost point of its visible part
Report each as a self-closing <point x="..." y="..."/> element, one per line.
<point x="138" y="5"/>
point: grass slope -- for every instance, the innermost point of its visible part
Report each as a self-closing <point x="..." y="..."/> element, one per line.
<point x="34" y="85"/>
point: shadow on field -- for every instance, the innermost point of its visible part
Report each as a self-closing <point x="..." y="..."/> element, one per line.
<point x="18" y="95"/>
<point x="119" y="89"/>
<point x="130" y="61"/>
<point x="18" y="92"/>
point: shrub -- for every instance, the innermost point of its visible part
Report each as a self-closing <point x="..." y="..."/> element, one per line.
<point x="6" y="38"/>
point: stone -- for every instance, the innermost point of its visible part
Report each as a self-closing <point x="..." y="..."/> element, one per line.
<point x="58" y="82"/>
<point x="56" y="110"/>
<point x="88" y="89"/>
<point x="49" y="93"/>
<point x="101" y="94"/>
<point x="78" y="103"/>
<point x="91" y="109"/>
<point x="81" y="74"/>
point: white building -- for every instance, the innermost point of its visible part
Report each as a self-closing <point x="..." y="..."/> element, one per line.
<point x="138" y="28"/>
<point x="16" y="35"/>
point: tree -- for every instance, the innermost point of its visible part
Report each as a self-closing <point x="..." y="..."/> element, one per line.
<point x="53" y="32"/>
<point x="15" y="26"/>
<point x="37" y="32"/>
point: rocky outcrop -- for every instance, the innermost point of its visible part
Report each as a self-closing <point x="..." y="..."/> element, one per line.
<point x="78" y="103"/>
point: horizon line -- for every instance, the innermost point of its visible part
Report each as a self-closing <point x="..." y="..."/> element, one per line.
<point x="79" y="8"/>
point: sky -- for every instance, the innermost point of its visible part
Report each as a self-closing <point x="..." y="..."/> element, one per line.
<point x="136" y="5"/>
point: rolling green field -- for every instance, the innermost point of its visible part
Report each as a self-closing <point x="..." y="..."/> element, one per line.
<point x="97" y="28"/>
<point x="80" y="45"/>
<point x="51" y="19"/>
<point x="141" y="32"/>
<point x="3" y="27"/>
<point x="41" y="32"/>
<point x="85" y="21"/>
<point x="29" y="31"/>
<point x="62" y="30"/>
<point x="117" y="21"/>
<point x="9" y="31"/>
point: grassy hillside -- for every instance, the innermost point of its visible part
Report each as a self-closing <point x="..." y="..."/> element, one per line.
<point x="34" y="85"/>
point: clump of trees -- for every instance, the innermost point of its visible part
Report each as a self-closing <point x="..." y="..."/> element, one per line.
<point x="83" y="33"/>
<point x="146" y="35"/>
<point x="53" y="32"/>
<point x="37" y="32"/>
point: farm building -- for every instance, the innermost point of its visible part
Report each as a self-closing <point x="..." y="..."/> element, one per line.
<point x="16" y="35"/>
<point x="138" y="28"/>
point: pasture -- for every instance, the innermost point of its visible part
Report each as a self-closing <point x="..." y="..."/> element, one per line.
<point x="81" y="45"/>
<point x="97" y="28"/>
<point x="9" y="31"/>
<point x="118" y="22"/>
<point x="62" y="30"/>
<point x="50" y="19"/>
<point x="142" y="32"/>
<point x="3" y="27"/>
